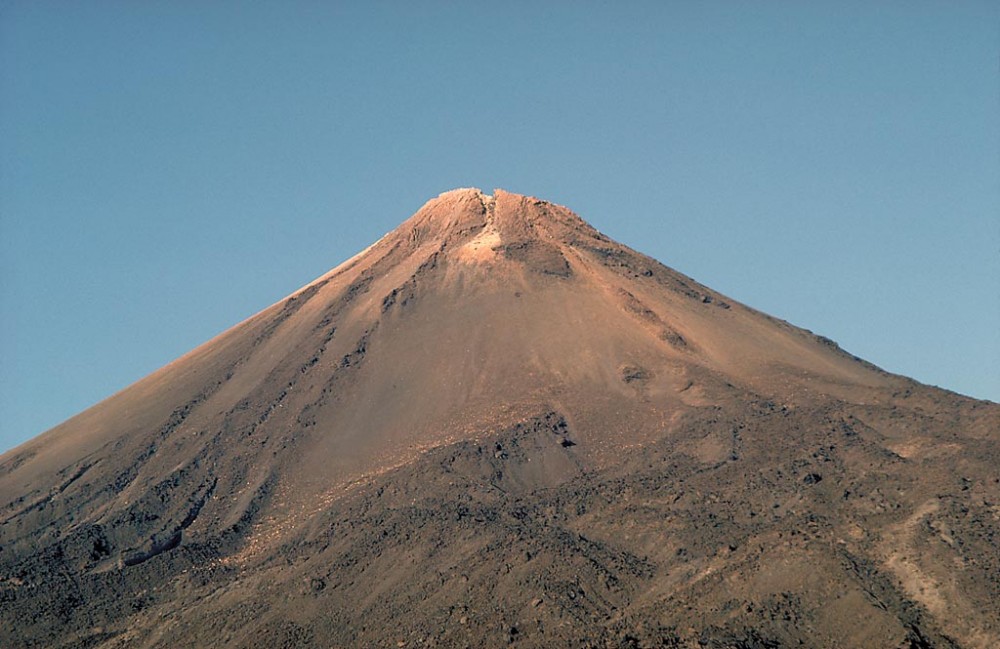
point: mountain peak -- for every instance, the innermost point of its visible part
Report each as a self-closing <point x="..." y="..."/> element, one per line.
<point x="504" y="230"/>
<point x="495" y="383"/>
<point x="499" y="221"/>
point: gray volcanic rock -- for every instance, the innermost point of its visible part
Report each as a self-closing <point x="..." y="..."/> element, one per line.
<point x="497" y="426"/>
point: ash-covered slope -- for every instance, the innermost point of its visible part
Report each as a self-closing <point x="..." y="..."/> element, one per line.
<point x="497" y="425"/>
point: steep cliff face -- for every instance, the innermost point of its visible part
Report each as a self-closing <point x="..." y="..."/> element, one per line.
<point x="498" y="425"/>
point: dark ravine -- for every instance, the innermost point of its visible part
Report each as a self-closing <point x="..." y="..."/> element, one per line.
<point x="498" y="427"/>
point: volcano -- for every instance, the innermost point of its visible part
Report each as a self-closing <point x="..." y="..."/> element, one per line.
<point x="497" y="426"/>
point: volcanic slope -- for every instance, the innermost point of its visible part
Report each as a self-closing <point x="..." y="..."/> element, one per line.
<point x="497" y="426"/>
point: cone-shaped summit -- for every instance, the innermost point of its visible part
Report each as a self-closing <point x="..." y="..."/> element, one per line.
<point x="497" y="425"/>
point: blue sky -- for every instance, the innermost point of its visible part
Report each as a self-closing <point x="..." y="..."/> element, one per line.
<point x="168" y="169"/>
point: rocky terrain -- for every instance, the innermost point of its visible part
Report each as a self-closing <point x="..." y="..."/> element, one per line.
<point x="496" y="426"/>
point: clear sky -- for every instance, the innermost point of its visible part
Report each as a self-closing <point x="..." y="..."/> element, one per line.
<point x="170" y="168"/>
